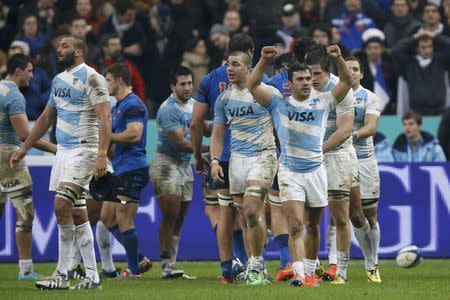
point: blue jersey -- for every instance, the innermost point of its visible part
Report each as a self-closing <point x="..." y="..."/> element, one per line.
<point x="212" y="85"/>
<point x="281" y="82"/>
<point x="129" y="157"/>
<point x="12" y="102"/>
<point x="366" y="103"/>
<point x="300" y="128"/>
<point x="250" y="123"/>
<point x="172" y="115"/>
<point x="74" y="94"/>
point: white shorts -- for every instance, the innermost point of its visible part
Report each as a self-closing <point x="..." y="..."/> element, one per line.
<point x="370" y="181"/>
<point x="338" y="172"/>
<point x="171" y="176"/>
<point x="12" y="179"/>
<point x="310" y="187"/>
<point x="354" y="167"/>
<point x="262" y="168"/>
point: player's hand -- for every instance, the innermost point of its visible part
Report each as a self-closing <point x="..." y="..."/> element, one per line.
<point x="268" y="52"/>
<point x="334" y="51"/>
<point x="217" y="172"/>
<point x="100" y="167"/>
<point x="17" y="157"/>
<point x="201" y="165"/>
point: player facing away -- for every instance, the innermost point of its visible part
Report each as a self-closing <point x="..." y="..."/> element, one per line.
<point x="16" y="184"/>
<point x="229" y="234"/>
<point x="79" y="102"/>
<point x="170" y="171"/>
<point x="252" y="161"/>
<point x="300" y="122"/>
<point x="367" y="114"/>
<point x="129" y="136"/>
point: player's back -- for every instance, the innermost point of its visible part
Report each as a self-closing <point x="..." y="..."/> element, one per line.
<point x="11" y="102"/>
<point x="74" y="94"/>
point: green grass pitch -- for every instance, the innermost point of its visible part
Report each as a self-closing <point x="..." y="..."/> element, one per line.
<point x="430" y="280"/>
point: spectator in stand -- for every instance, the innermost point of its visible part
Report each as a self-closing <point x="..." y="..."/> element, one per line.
<point x="431" y="19"/>
<point x="401" y="24"/>
<point x="38" y="90"/>
<point x="112" y="52"/>
<point x="309" y="12"/>
<point x="219" y="37"/>
<point x="123" y="23"/>
<point x="84" y="9"/>
<point x="444" y="133"/>
<point x="291" y="22"/>
<point x="415" y="145"/>
<point x="232" y="21"/>
<point x="80" y="27"/>
<point x="446" y="15"/>
<point x="196" y="59"/>
<point x="335" y="8"/>
<point x="31" y="35"/>
<point x="352" y="23"/>
<point x="424" y="69"/>
<point x="321" y="34"/>
<point x="378" y="69"/>
<point x="383" y="149"/>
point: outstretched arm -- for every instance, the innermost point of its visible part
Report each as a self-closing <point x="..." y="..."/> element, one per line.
<point x="261" y="94"/>
<point x="345" y="78"/>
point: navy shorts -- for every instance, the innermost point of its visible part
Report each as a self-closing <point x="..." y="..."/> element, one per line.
<point x="132" y="183"/>
<point x="219" y="185"/>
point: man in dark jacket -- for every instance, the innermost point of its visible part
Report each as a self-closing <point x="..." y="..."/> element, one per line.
<point x="401" y="23"/>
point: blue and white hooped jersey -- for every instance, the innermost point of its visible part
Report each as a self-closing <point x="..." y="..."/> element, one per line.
<point x="172" y="115"/>
<point x="344" y="107"/>
<point x="12" y="102"/>
<point x="74" y="94"/>
<point x="300" y="128"/>
<point x="250" y="123"/>
<point x="366" y="103"/>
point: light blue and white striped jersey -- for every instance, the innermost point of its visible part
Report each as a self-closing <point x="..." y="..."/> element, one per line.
<point x="12" y="102"/>
<point x="172" y="115"/>
<point x="344" y="107"/>
<point x="74" y="94"/>
<point x="366" y="103"/>
<point x="250" y="123"/>
<point x="300" y="128"/>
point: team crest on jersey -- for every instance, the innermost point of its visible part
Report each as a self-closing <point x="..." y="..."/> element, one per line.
<point x="313" y="103"/>
<point x="358" y="100"/>
<point x="75" y="80"/>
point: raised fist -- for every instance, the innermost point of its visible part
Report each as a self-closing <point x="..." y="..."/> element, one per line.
<point x="334" y="51"/>
<point x="269" y="52"/>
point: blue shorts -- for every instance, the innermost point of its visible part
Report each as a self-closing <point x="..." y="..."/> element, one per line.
<point x="132" y="183"/>
<point x="219" y="185"/>
<point x="275" y="186"/>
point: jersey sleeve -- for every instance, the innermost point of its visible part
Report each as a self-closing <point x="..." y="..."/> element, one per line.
<point x="275" y="98"/>
<point x="329" y="100"/>
<point x="203" y="91"/>
<point x="51" y="98"/>
<point x="373" y="105"/>
<point x="169" y="120"/>
<point x="97" y="88"/>
<point x="219" y="112"/>
<point x="347" y="105"/>
<point x="135" y="113"/>
<point x="15" y="104"/>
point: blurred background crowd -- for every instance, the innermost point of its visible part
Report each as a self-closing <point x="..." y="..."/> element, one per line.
<point x="404" y="45"/>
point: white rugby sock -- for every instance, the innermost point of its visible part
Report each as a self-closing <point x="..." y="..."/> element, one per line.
<point x="85" y="240"/>
<point x="175" y="243"/>
<point x="376" y="237"/>
<point x="103" y="237"/>
<point x="364" y="237"/>
<point x="332" y="247"/>
<point x="66" y="234"/>
<point x="25" y="266"/>
<point x="310" y="266"/>
<point x="298" y="267"/>
<point x="342" y="263"/>
<point x="75" y="255"/>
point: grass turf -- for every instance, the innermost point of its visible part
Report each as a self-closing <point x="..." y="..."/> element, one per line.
<point x="429" y="280"/>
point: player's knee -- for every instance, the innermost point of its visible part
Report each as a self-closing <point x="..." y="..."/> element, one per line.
<point x="253" y="219"/>
<point x="357" y="218"/>
<point x="295" y="226"/>
<point x="313" y="229"/>
<point x="372" y="221"/>
<point x="256" y="191"/>
<point x="340" y="221"/>
<point x="108" y="221"/>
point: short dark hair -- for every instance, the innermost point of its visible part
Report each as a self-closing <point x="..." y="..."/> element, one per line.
<point x="320" y="27"/>
<point x="301" y="47"/>
<point x="245" y="56"/>
<point x="354" y="58"/>
<point x="297" y="68"/>
<point x="120" y="70"/>
<point x="408" y="2"/>
<point x="412" y="115"/>
<point x="318" y="56"/>
<point x="109" y="36"/>
<point x="80" y="43"/>
<point x="178" y="71"/>
<point x="241" y="42"/>
<point x="123" y="5"/>
<point x="285" y="59"/>
<point x="429" y="4"/>
<point x="18" y="60"/>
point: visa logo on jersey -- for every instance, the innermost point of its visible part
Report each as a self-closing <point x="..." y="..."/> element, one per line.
<point x="301" y="117"/>
<point x="240" y="111"/>
<point x="10" y="184"/>
<point x="62" y="92"/>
